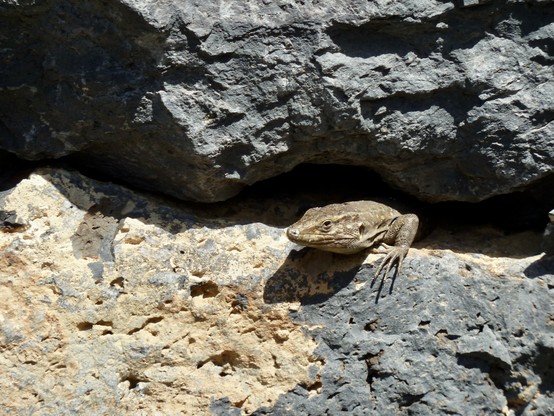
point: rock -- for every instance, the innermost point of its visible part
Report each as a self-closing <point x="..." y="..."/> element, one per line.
<point x="9" y="222"/>
<point x="444" y="338"/>
<point x="112" y="301"/>
<point x="445" y="101"/>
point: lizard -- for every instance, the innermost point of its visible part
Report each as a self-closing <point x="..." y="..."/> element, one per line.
<point x="354" y="226"/>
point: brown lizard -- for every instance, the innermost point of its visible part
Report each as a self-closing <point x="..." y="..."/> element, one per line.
<point x="355" y="226"/>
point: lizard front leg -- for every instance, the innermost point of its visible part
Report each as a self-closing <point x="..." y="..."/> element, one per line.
<point x="401" y="233"/>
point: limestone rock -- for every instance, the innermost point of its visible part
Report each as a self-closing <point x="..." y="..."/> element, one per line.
<point x="115" y="302"/>
<point x="445" y="100"/>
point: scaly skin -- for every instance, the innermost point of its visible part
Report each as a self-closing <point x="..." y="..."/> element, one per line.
<point x="355" y="226"/>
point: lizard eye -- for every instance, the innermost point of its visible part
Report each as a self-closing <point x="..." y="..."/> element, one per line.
<point x="326" y="224"/>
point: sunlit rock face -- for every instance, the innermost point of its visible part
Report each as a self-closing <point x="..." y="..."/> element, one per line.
<point x="445" y="101"/>
<point x="117" y="302"/>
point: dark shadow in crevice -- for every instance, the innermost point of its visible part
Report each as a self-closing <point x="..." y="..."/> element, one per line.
<point x="511" y="213"/>
<point x="13" y="170"/>
<point x="282" y="200"/>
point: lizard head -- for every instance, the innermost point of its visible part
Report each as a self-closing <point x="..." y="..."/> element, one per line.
<point x="330" y="229"/>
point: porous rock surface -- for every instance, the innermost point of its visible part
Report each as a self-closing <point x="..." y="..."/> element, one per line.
<point x="445" y="100"/>
<point x="113" y="302"/>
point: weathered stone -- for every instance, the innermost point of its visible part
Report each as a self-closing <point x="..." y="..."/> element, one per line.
<point x="108" y="306"/>
<point x="449" y="336"/>
<point x="195" y="309"/>
<point x="445" y="100"/>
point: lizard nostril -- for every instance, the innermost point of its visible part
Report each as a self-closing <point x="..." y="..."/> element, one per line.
<point x="293" y="232"/>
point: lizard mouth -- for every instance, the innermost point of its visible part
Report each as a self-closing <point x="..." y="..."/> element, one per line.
<point x="320" y="241"/>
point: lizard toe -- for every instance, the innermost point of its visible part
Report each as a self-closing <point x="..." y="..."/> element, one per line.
<point x="395" y="256"/>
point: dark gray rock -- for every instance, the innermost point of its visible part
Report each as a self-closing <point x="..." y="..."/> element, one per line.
<point x="443" y="338"/>
<point x="9" y="221"/>
<point x="198" y="99"/>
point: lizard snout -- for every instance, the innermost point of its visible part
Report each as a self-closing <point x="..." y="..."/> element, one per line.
<point x="293" y="233"/>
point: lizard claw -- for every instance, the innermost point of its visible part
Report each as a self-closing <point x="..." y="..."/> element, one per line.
<point x="396" y="255"/>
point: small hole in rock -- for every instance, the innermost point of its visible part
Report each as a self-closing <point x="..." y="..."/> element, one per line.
<point x="133" y="381"/>
<point x="315" y="386"/>
<point x="206" y="289"/>
<point x="84" y="326"/>
<point x="117" y="282"/>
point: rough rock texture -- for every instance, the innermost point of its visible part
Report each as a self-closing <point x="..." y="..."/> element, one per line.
<point x="451" y="339"/>
<point x="445" y="100"/>
<point x="113" y="302"/>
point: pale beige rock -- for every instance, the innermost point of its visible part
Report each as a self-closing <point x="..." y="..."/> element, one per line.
<point x="106" y="308"/>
